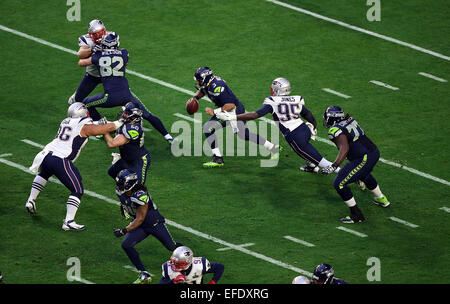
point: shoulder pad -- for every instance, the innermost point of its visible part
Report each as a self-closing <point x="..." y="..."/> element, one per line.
<point x="142" y="196"/>
<point x="132" y="131"/>
<point x="216" y="88"/>
<point x="334" y="131"/>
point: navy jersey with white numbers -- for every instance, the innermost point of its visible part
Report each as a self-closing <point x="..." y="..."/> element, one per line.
<point x="140" y="198"/>
<point x="359" y="143"/>
<point x="111" y="65"/>
<point x="134" y="149"/>
<point x="220" y="93"/>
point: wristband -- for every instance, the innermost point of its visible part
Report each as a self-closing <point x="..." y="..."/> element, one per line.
<point x="218" y="110"/>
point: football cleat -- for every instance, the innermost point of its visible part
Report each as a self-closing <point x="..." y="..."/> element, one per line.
<point x="31" y="207"/>
<point x="170" y="141"/>
<point x="144" y="278"/>
<point x="276" y="152"/>
<point x="361" y="185"/>
<point x="381" y="201"/>
<point x="217" y="161"/>
<point x="71" y="99"/>
<point x="71" y="225"/>
<point x="351" y="219"/>
<point x="308" y="168"/>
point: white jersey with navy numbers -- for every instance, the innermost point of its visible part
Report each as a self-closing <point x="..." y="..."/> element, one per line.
<point x="86" y="40"/>
<point x="68" y="142"/>
<point x="286" y="110"/>
<point x="199" y="267"/>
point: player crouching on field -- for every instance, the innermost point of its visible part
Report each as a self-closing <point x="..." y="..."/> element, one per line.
<point x="184" y="268"/>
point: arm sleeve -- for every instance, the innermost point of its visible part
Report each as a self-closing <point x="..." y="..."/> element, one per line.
<point x="306" y="114"/>
<point x="265" y="109"/>
<point x="217" y="269"/>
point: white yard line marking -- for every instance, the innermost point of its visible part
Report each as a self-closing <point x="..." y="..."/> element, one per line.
<point x="361" y="30"/>
<point x="32" y="143"/>
<point x="288" y="237"/>
<point x="242" y="245"/>
<point x="446" y="209"/>
<point x="395" y="219"/>
<point x="146" y="129"/>
<point x="179" y="226"/>
<point x="187" y="117"/>
<point x="5" y="155"/>
<point x="382" y="84"/>
<point x="336" y="93"/>
<point x="352" y="231"/>
<point x="432" y="77"/>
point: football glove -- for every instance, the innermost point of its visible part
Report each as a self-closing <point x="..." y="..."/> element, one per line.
<point x="313" y="130"/>
<point x="211" y="282"/>
<point x="180" y="279"/>
<point x="119" y="232"/>
<point x="102" y="121"/>
<point x="97" y="48"/>
<point x="330" y="169"/>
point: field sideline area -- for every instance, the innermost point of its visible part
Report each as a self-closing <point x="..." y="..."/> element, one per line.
<point x="267" y="225"/>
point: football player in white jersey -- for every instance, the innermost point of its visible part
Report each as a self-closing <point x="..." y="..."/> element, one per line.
<point x="184" y="268"/>
<point x="287" y="112"/>
<point x="89" y="44"/>
<point x="58" y="156"/>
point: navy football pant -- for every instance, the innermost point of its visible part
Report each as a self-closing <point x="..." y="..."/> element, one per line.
<point x="357" y="169"/>
<point x="65" y="171"/>
<point x="159" y="231"/>
<point x="299" y="142"/>
<point x="140" y="166"/>
<point x="86" y="86"/>
<point x="118" y="99"/>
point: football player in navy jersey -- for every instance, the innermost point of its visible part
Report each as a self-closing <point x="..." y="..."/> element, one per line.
<point x="288" y="112"/>
<point x="130" y="140"/>
<point x="111" y="64"/>
<point x="324" y="274"/>
<point x="58" y="156"/>
<point x="224" y="99"/>
<point x="184" y="268"/>
<point x="136" y="202"/>
<point x="362" y="154"/>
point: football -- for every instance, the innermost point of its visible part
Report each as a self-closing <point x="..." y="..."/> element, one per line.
<point x="192" y="106"/>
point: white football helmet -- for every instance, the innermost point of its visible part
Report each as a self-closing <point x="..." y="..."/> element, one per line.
<point x="77" y="110"/>
<point x="96" y="30"/>
<point x="181" y="258"/>
<point x="301" y="280"/>
<point x="280" y="87"/>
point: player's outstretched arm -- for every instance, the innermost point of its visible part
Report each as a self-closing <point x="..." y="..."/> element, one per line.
<point x="117" y="141"/>
<point x="93" y="129"/>
<point x="217" y="269"/>
<point x="341" y="143"/>
<point x="84" y="52"/>
<point x="85" y="62"/>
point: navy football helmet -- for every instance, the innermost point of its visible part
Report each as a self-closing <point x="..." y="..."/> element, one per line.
<point x="131" y="113"/>
<point x="323" y="274"/>
<point x="332" y="115"/>
<point x="203" y="76"/>
<point x="126" y="180"/>
<point x="111" y="41"/>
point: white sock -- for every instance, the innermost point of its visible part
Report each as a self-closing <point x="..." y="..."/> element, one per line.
<point x="324" y="163"/>
<point x="168" y="136"/>
<point x="36" y="187"/>
<point x="377" y="192"/>
<point x="268" y="145"/>
<point x="351" y="202"/>
<point x="216" y="152"/>
<point x="72" y="204"/>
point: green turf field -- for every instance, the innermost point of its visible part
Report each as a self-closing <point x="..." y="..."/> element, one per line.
<point x="247" y="43"/>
